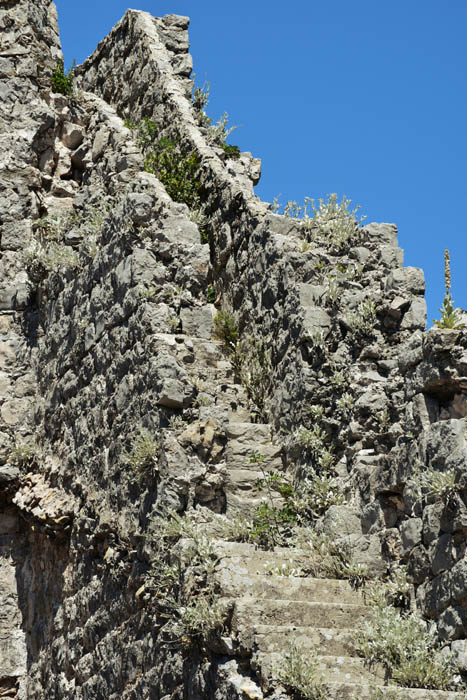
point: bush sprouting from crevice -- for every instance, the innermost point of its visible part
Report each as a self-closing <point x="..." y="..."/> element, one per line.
<point x="62" y="82"/>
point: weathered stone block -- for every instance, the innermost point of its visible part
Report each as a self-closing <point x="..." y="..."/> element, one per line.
<point x="432" y="523"/>
<point x="372" y="518"/>
<point x="72" y="135"/>
<point x="139" y="206"/>
<point x="451" y="623"/>
<point x="171" y="394"/>
<point x="340" y="520"/>
<point x="459" y="582"/>
<point x="198" y="321"/>
<point x="381" y="233"/>
<point x="442" y="554"/>
<point x="14" y="411"/>
<point x="415" y="317"/>
<point x="434" y="596"/>
<point x="406" y="280"/>
<point x="419" y="564"/>
<point x="411" y="534"/>
<point x="459" y="650"/>
<point x="311" y="294"/>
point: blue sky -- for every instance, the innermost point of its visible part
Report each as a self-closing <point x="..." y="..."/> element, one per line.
<point x="366" y="99"/>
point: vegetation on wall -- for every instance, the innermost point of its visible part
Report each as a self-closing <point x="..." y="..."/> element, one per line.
<point x="177" y="168"/>
<point x="216" y="134"/>
<point x="328" y="222"/>
<point x="400" y="640"/>
<point x="450" y="317"/>
<point x="182" y="588"/>
<point x="298" y="673"/>
<point x="61" y="81"/>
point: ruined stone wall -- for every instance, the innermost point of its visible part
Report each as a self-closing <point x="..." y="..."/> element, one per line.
<point x="29" y="47"/>
<point x="114" y="336"/>
<point x="283" y="292"/>
<point x="433" y="529"/>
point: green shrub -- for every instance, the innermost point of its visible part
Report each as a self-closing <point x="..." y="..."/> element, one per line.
<point x="177" y="169"/>
<point x="178" y="173"/>
<point x="394" y="591"/>
<point x="42" y="258"/>
<point x="313" y="443"/>
<point x="199" y="620"/>
<point x="335" y="222"/>
<point x="319" y="492"/>
<point x="200" y="100"/>
<point x="218" y="133"/>
<point x="272" y="523"/>
<point x="361" y="322"/>
<point x="252" y="363"/>
<point x="231" y="151"/>
<point x="327" y="557"/>
<point x="22" y="455"/>
<point x="226" y="329"/>
<point x="63" y="82"/>
<point x="450" y="317"/>
<point x="344" y="404"/>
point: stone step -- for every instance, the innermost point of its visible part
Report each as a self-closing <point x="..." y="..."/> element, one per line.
<point x="245" y="438"/>
<point x="364" y="691"/>
<point x="205" y="360"/>
<point x="242" y="503"/>
<point x="243" y="479"/>
<point x="329" y="641"/>
<point x="245" y="558"/>
<point x="250" y="432"/>
<point x="331" y="669"/>
<point x="239" y="412"/>
<point x="229" y="396"/>
<point x="242" y="491"/>
<point x="298" y="588"/>
<point x="191" y="350"/>
<point x="290" y="612"/>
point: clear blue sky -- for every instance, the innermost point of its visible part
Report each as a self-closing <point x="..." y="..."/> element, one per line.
<point x="362" y="98"/>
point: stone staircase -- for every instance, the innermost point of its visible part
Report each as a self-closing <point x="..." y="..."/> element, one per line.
<point x="270" y="611"/>
<point x="321" y="616"/>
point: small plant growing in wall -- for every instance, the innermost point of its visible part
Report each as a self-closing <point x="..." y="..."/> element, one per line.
<point x="217" y="133"/>
<point x="22" y="455"/>
<point x="143" y="456"/>
<point x="226" y="329"/>
<point x="62" y="82"/>
<point x="176" y="168"/>
<point x="362" y="322"/>
<point x="450" y="317"/>
<point x="230" y="150"/>
<point x="200" y="100"/>
<point x="403" y="643"/>
<point x="253" y="364"/>
<point x="298" y="672"/>
<point x="273" y="520"/>
<point x="184" y="596"/>
<point x="440" y="484"/>
<point x="329" y="221"/>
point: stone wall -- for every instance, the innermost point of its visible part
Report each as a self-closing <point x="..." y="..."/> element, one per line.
<point x="107" y="335"/>
<point x="29" y="50"/>
<point x="433" y="530"/>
